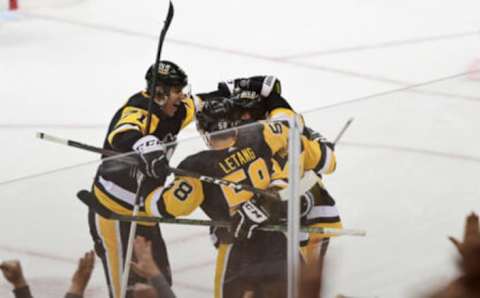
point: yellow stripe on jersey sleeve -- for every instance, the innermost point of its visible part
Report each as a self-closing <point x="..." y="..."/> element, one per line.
<point x="133" y="118"/>
<point x="316" y="154"/>
<point x="333" y="164"/>
<point x="110" y="204"/>
<point x="183" y="196"/>
<point x="312" y="153"/>
<point x="275" y="135"/>
<point x="281" y="114"/>
<point x="190" y="111"/>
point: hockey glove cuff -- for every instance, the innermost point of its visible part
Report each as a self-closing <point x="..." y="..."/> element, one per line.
<point x="153" y="157"/>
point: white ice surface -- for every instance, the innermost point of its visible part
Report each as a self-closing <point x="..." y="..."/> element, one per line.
<point x="408" y="167"/>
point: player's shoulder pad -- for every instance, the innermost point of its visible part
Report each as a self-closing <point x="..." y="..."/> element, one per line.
<point x="276" y="126"/>
<point x="195" y="163"/>
<point x="139" y="100"/>
<point x="187" y="104"/>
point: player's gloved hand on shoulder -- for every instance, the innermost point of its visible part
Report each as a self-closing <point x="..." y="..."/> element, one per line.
<point x="248" y="217"/>
<point x="263" y="85"/>
<point x="153" y="157"/>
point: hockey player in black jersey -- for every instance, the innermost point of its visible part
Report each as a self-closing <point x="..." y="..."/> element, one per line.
<point x="248" y="260"/>
<point x="171" y="112"/>
<point x="271" y="105"/>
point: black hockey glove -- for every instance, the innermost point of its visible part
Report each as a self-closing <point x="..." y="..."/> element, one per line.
<point x="248" y="217"/>
<point x="153" y="157"/>
<point x="263" y="85"/>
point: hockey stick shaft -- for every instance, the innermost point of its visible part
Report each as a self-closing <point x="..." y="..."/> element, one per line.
<point x="131" y="238"/>
<point x="121" y="157"/>
<point x="89" y="199"/>
<point x="153" y="94"/>
<point x="345" y="127"/>
<point x="70" y="143"/>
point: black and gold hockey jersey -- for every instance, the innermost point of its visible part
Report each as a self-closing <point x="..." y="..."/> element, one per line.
<point x="247" y="161"/>
<point x="116" y="190"/>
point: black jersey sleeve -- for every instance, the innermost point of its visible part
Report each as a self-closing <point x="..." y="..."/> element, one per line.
<point x="123" y="142"/>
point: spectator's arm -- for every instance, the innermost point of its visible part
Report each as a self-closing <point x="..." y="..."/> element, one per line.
<point x="161" y="286"/>
<point x="12" y="270"/>
<point x="467" y="284"/>
<point x="81" y="276"/>
<point x="146" y="267"/>
<point x="469" y="249"/>
<point x="71" y="295"/>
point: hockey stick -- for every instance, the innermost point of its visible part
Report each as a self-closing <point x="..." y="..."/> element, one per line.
<point x="132" y="161"/>
<point x="90" y="200"/>
<point x="153" y="91"/>
<point x="345" y="127"/>
<point x="128" y="159"/>
<point x="140" y="176"/>
<point x="125" y="158"/>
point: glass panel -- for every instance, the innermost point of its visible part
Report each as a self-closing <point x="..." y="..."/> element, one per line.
<point x="48" y="227"/>
<point x="407" y="173"/>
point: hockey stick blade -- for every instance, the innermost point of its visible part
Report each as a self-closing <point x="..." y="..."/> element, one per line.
<point x="153" y="91"/>
<point x="89" y="199"/>
<point x="169" y="17"/>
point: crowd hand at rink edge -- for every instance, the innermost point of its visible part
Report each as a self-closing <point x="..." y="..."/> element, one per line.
<point x="12" y="270"/>
<point x="82" y="275"/>
<point x="146" y="267"/>
<point x="13" y="273"/>
<point x="467" y="285"/>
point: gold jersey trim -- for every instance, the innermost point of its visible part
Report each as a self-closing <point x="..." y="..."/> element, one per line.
<point x="110" y="203"/>
<point x="190" y="112"/>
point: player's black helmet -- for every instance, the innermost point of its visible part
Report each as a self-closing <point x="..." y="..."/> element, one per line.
<point x="216" y="114"/>
<point x="250" y="102"/>
<point x="215" y="120"/>
<point x="169" y="75"/>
